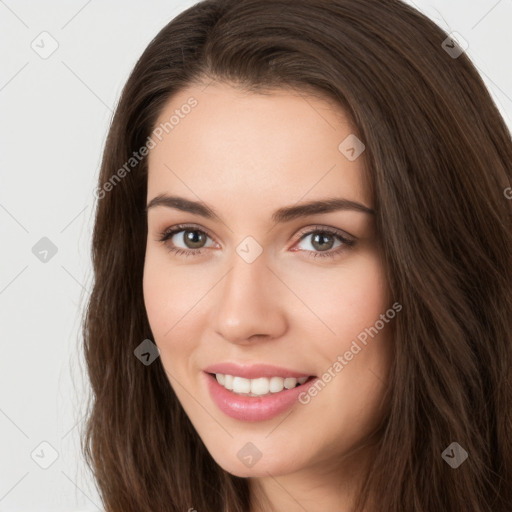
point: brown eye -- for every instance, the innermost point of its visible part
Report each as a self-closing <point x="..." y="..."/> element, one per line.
<point x="323" y="242"/>
<point x="194" y="238"/>
<point x="185" y="240"/>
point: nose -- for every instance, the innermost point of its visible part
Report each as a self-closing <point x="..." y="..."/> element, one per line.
<point x="251" y="303"/>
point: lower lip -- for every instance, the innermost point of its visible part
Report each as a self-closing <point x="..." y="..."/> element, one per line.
<point x="247" y="408"/>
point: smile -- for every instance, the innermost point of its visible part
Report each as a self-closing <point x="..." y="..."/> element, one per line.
<point x="262" y="386"/>
<point x="242" y="404"/>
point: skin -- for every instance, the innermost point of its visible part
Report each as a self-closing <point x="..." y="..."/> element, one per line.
<point x="246" y="155"/>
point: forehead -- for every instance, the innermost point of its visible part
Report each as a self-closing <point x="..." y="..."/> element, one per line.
<point x="261" y="148"/>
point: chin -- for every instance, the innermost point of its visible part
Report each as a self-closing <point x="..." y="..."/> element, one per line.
<point x="249" y="461"/>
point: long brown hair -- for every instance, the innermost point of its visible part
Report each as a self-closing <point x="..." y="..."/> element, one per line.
<point x="440" y="158"/>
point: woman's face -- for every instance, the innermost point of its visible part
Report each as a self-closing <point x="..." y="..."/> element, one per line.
<point x="263" y="283"/>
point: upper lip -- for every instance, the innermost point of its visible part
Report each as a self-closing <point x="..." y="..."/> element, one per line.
<point x="254" y="371"/>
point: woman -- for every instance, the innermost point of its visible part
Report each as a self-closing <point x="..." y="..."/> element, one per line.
<point x="237" y="363"/>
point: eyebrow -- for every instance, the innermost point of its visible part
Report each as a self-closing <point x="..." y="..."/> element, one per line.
<point x="284" y="214"/>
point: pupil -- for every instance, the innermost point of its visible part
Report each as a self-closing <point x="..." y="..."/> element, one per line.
<point x="194" y="237"/>
<point x="322" y="237"/>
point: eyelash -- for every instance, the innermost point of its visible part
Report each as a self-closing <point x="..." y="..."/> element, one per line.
<point x="332" y="253"/>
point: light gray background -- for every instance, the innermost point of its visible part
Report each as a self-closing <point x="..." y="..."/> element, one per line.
<point x="55" y="114"/>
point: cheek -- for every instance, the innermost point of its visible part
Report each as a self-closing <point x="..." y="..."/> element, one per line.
<point x="363" y="321"/>
<point x="172" y="298"/>
<point x="157" y="297"/>
<point x="169" y="294"/>
<point x="364" y="296"/>
<point x="346" y="299"/>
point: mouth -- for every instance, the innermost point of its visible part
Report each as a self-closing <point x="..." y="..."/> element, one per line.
<point x="256" y="399"/>
<point x="261" y="386"/>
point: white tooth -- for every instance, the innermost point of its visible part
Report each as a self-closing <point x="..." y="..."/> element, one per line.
<point x="260" y="386"/>
<point x="257" y="387"/>
<point x="276" y="384"/>
<point x="241" y="385"/>
<point x="228" y="381"/>
<point x="290" y="382"/>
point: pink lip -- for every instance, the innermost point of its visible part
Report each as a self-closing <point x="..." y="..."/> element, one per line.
<point x="253" y="371"/>
<point x="247" y="408"/>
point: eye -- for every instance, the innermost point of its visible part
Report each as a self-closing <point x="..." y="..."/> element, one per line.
<point x="194" y="240"/>
<point x="192" y="237"/>
<point x="323" y="240"/>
